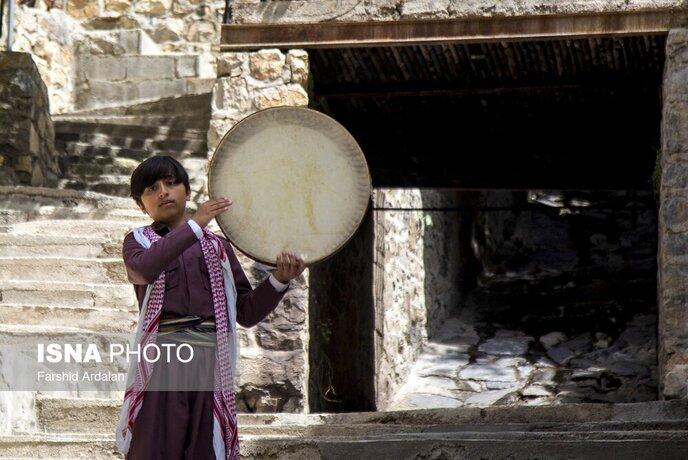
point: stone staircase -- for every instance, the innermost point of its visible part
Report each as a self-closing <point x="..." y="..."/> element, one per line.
<point x="101" y="148"/>
<point x="132" y="101"/>
<point x="81" y="427"/>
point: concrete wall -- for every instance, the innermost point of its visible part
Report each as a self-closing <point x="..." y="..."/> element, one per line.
<point x="673" y="222"/>
<point x="416" y="278"/>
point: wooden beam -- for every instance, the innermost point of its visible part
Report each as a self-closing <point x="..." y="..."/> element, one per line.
<point x="242" y="37"/>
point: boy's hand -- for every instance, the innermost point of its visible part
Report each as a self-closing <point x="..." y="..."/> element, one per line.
<point x="289" y="266"/>
<point x="211" y="208"/>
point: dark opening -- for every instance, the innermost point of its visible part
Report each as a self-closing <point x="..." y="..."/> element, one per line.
<point x="552" y="145"/>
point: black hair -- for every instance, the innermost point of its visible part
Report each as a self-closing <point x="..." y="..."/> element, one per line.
<point x="152" y="170"/>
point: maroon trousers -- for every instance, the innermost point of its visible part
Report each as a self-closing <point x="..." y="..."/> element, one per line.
<point x="177" y="424"/>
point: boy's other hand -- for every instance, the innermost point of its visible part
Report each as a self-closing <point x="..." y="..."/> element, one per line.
<point x="289" y="266"/>
<point x="211" y="208"/>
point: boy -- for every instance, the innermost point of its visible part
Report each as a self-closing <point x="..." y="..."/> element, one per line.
<point x="187" y="280"/>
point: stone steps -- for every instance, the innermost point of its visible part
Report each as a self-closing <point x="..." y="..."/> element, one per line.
<point x="21" y="204"/>
<point x="196" y="106"/>
<point x="63" y="269"/>
<point x="139" y="141"/>
<point x="184" y="121"/>
<point x="75" y="295"/>
<point x="57" y="446"/>
<point x="59" y="414"/>
<point x="106" y="228"/>
<point x="13" y="245"/>
<point x="89" y="318"/>
<point x="604" y="446"/>
<point x="110" y="184"/>
<point x="658" y="429"/>
<point x="83" y="152"/>
<point x="115" y="130"/>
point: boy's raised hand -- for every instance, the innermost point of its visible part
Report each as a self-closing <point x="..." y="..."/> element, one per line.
<point x="211" y="208"/>
<point x="289" y="266"/>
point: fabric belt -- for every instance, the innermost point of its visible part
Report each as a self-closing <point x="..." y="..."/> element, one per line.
<point x="193" y="330"/>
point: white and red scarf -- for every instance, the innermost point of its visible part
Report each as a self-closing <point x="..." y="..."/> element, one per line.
<point x="225" y="433"/>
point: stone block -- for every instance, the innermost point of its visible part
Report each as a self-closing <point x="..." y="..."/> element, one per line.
<point x="675" y="123"/>
<point x="117" y="6"/>
<point x="231" y="64"/>
<point x="172" y="29"/>
<point x="150" y="67"/>
<point x="676" y="382"/>
<point x="153" y="7"/>
<point x="82" y="9"/>
<point x="103" y="93"/>
<point x="288" y="95"/>
<point x="297" y="60"/>
<point x="230" y="95"/>
<point x="103" y="68"/>
<point x="154" y="89"/>
<point x="674" y="213"/>
<point x="267" y="64"/>
<point x="675" y="174"/>
<point x="199" y="85"/>
<point x="186" y="66"/>
<point x="202" y="31"/>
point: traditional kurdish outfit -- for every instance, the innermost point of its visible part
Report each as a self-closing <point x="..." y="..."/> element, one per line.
<point x="187" y="280"/>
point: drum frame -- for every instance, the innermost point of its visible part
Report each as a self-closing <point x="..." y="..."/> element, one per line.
<point x="211" y="193"/>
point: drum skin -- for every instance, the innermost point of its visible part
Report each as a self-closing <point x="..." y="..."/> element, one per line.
<point x="298" y="180"/>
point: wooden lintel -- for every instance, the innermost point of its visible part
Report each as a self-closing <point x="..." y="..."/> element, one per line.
<point x="243" y="37"/>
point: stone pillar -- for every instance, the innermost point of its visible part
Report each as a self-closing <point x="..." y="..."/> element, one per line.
<point x="27" y="145"/>
<point x="673" y="222"/>
<point x="416" y="278"/>
<point x="274" y="354"/>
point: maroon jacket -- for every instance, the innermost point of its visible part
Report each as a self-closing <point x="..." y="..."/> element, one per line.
<point x="187" y="284"/>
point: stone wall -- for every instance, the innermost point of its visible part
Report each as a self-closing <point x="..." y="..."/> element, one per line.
<point x="416" y="278"/>
<point x="55" y="37"/>
<point x="248" y="82"/>
<point x="273" y="365"/>
<point x="673" y="222"/>
<point x="256" y="11"/>
<point x="48" y="36"/>
<point x="27" y="147"/>
<point x="275" y="351"/>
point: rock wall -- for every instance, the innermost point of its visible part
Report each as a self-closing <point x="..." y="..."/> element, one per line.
<point x="673" y="221"/>
<point x="256" y="11"/>
<point x="275" y="351"/>
<point x="273" y="365"/>
<point x="48" y="36"/>
<point x="416" y="278"/>
<point x="27" y="147"/>
<point x="248" y="82"/>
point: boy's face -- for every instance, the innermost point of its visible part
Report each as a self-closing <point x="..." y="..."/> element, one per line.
<point x="164" y="201"/>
